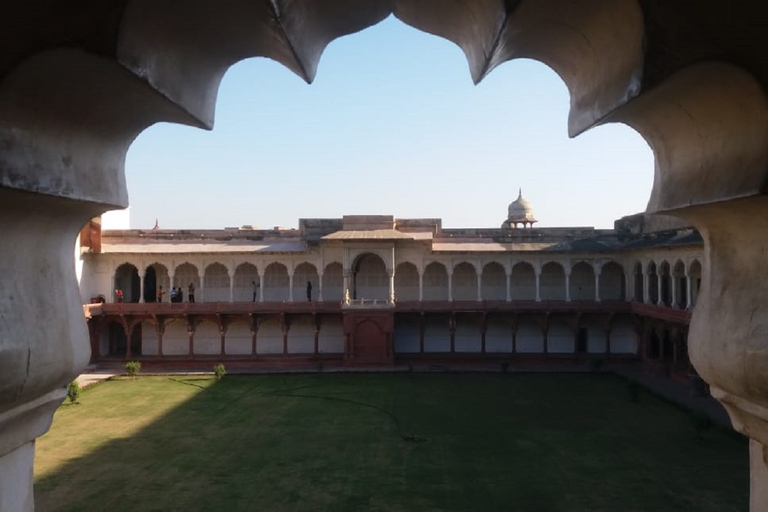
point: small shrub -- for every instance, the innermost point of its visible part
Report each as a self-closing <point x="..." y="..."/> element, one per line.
<point x="504" y="366"/>
<point x="132" y="368"/>
<point x="220" y="371"/>
<point x="633" y="388"/>
<point x="73" y="392"/>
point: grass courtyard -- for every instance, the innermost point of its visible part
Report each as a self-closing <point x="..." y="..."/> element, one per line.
<point x="335" y="442"/>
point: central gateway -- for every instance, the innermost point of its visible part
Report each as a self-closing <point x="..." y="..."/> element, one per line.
<point x="368" y="337"/>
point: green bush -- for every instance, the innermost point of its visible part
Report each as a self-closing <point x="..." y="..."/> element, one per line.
<point x="596" y="364"/>
<point x="73" y="392"/>
<point x="132" y="368"/>
<point x="220" y="371"/>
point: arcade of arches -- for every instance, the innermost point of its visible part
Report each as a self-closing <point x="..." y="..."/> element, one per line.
<point x="339" y="290"/>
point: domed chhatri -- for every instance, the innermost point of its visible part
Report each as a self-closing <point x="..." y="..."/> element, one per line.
<point x="520" y="212"/>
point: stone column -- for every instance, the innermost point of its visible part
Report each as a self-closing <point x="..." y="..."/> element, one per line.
<point x="290" y="283"/>
<point x="200" y="293"/>
<point x="479" y="275"/>
<point x="320" y="277"/>
<point x="347" y="278"/>
<point x="261" y="284"/>
<point x="391" y="297"/>
<point x="646" y="287"/>
<point x="567" y="284"/>
<point x="659" y="287"/>
<point x="421" y="285"/>
<point x="170" y="280"/>
<point x="142" y="276"/>
<point x="598" y="271"/>
<point x="537" y="272"/>
<point x="450" y="284"/>
<point x="231" y="274"/>
<point x="673" y="277"/>
<point x="688" y="292"/>
<point x="508" y="274"/>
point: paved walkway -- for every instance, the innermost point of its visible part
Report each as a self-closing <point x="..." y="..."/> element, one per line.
<point x="678" y="393"/>
<point x="674" y="391"/>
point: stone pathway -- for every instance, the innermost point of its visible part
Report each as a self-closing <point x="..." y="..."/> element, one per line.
<point x="678" y="393"/>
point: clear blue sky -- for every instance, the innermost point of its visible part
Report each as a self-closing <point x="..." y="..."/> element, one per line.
<point x="392" y="125"/>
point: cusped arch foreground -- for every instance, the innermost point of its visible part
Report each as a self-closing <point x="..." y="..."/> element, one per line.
<point x="108" y="70"/>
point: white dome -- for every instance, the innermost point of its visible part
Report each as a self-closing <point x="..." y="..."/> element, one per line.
<point x="520" y="210"/>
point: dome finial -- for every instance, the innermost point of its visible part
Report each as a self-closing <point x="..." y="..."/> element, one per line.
<point x="520" y="212"/>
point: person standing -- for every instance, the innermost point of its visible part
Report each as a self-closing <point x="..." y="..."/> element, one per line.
<point x="309" y="290"/>
<point x="173" y="294"/>
<point x="119" y="295"/>
<point x="159" y="294"/>
<point x="255" y="288"/>
<point x="179" y="295"/>
<point x="191" y="292"/>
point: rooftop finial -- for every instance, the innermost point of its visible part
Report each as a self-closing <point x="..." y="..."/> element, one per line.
<point x="157" y="225"/>
<point x="520" y="192"/>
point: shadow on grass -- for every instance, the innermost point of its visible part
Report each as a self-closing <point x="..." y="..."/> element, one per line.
<point x="334" y="442"/>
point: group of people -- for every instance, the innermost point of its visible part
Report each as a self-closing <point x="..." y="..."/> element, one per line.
<point x="177" y="294"/>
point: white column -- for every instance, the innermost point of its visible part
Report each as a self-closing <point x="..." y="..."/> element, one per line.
<point x="508" y="273"/>
<point x="479" y="285"/>
<point x="391" y="285"/>
<point x="320" y="285"/>
<point x="598" y="271"/>
<point x="347" y="276"/>
<point x="290" y="283"/>
<point x="142" y="275"/>
<point x="231" y="285"/>
<point x="450" y="284"/>
<point x="688" y="292"/>
<point x="537" y="272"/>
<point x="200" y="295"/>
<point x="421" y="285"/>
<point x="646" y="287"/>
<point x="659" y="300"/>
<point x="567" y="284"/>
<point x="260" y="270"/>
<point x="674" y="290"/>
<point x="171" y="274"/>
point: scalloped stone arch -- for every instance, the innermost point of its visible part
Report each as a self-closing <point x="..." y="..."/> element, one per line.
<point x="332" y="288"/>
<point x="436" y="281"/>
<point x="493" y="281"/>
<point x="552" y="281"/>
<point x="582" y="281"/>
<point x="306" y="281"/>
<point x="216" y="283"/>
<point x="276" y="284"/>
<point x="407" y="281"/>
<point x="464" y="281"/>
<point x="127" y="279"/>
<point x="68" y="116"/>
<point x="246" y="273"/>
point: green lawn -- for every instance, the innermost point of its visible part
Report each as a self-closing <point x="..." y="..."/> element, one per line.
<point x="333" y="442"/>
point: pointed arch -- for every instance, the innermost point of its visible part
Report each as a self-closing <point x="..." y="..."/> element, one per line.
<point x="435" y="281"/>
<point x="406" y="282"/>
<point x="494" y="281"/>
<point x="333" y="282"/>
<point x="552" y="281"/>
